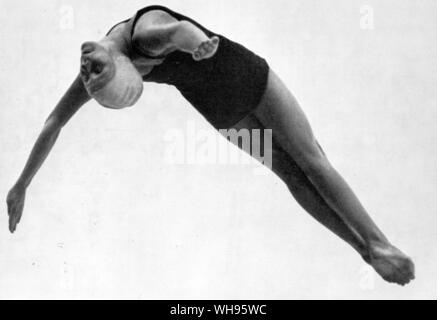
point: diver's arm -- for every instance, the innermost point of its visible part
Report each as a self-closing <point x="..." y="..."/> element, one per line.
<point x="157" y="33"/>
<point x="189" y="38"/>
<point x="75" y="97"/>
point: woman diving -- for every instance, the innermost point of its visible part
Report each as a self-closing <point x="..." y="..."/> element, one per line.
<point x="233" y="88"/>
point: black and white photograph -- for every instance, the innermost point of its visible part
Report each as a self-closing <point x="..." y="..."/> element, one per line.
<point x="218" y="150"/>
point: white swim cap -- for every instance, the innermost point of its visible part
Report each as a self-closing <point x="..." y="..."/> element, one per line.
<point x="122" y="89"/>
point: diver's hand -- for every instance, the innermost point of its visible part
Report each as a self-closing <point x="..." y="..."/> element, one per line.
<point x="207" y="49"/>
<point x="15" y="202"/>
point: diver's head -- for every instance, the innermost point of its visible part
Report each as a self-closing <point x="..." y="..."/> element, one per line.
<point x="109" y="76"/>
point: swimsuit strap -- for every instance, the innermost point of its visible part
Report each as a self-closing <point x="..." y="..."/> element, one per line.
<point x="135" y="47"/>
<point x="112" y="29"/>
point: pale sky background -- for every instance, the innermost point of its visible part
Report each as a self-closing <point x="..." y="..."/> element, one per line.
<point x="108" y="218"/>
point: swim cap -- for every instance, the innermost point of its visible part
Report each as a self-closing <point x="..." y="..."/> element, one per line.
<point x="122" y="88"/>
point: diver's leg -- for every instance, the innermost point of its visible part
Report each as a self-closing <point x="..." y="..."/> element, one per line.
<point x="302" y="189"/>
<point x="280" y="111"/>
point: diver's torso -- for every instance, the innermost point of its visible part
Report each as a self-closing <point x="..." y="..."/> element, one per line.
<point x="224" y="88"/>
<point x="177" y="68"/>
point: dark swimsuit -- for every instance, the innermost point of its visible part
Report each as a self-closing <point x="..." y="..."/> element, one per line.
<point x="224" y="89"/>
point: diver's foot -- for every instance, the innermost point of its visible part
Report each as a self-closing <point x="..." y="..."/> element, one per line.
<point x="207" y="49"/>
<point x="391" y="264"/>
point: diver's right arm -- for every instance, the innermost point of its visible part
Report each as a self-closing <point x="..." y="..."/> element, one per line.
<point x="74" y="98"/>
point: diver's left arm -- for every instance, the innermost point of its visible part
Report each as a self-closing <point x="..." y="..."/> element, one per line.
<point x="158" y="33"/>
<point x="75" y="97"/>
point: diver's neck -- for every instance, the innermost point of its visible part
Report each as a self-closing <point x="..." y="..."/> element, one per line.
<point x="119" y="42"/>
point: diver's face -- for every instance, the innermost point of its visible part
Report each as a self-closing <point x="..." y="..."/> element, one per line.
<point x="96" y="67"/>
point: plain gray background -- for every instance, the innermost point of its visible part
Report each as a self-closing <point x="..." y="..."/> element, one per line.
<point x="108" y="217"/>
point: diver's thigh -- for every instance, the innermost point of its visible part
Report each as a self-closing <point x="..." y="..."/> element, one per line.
<point x="280" y="111"/>
<point x="282" y="164"/>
